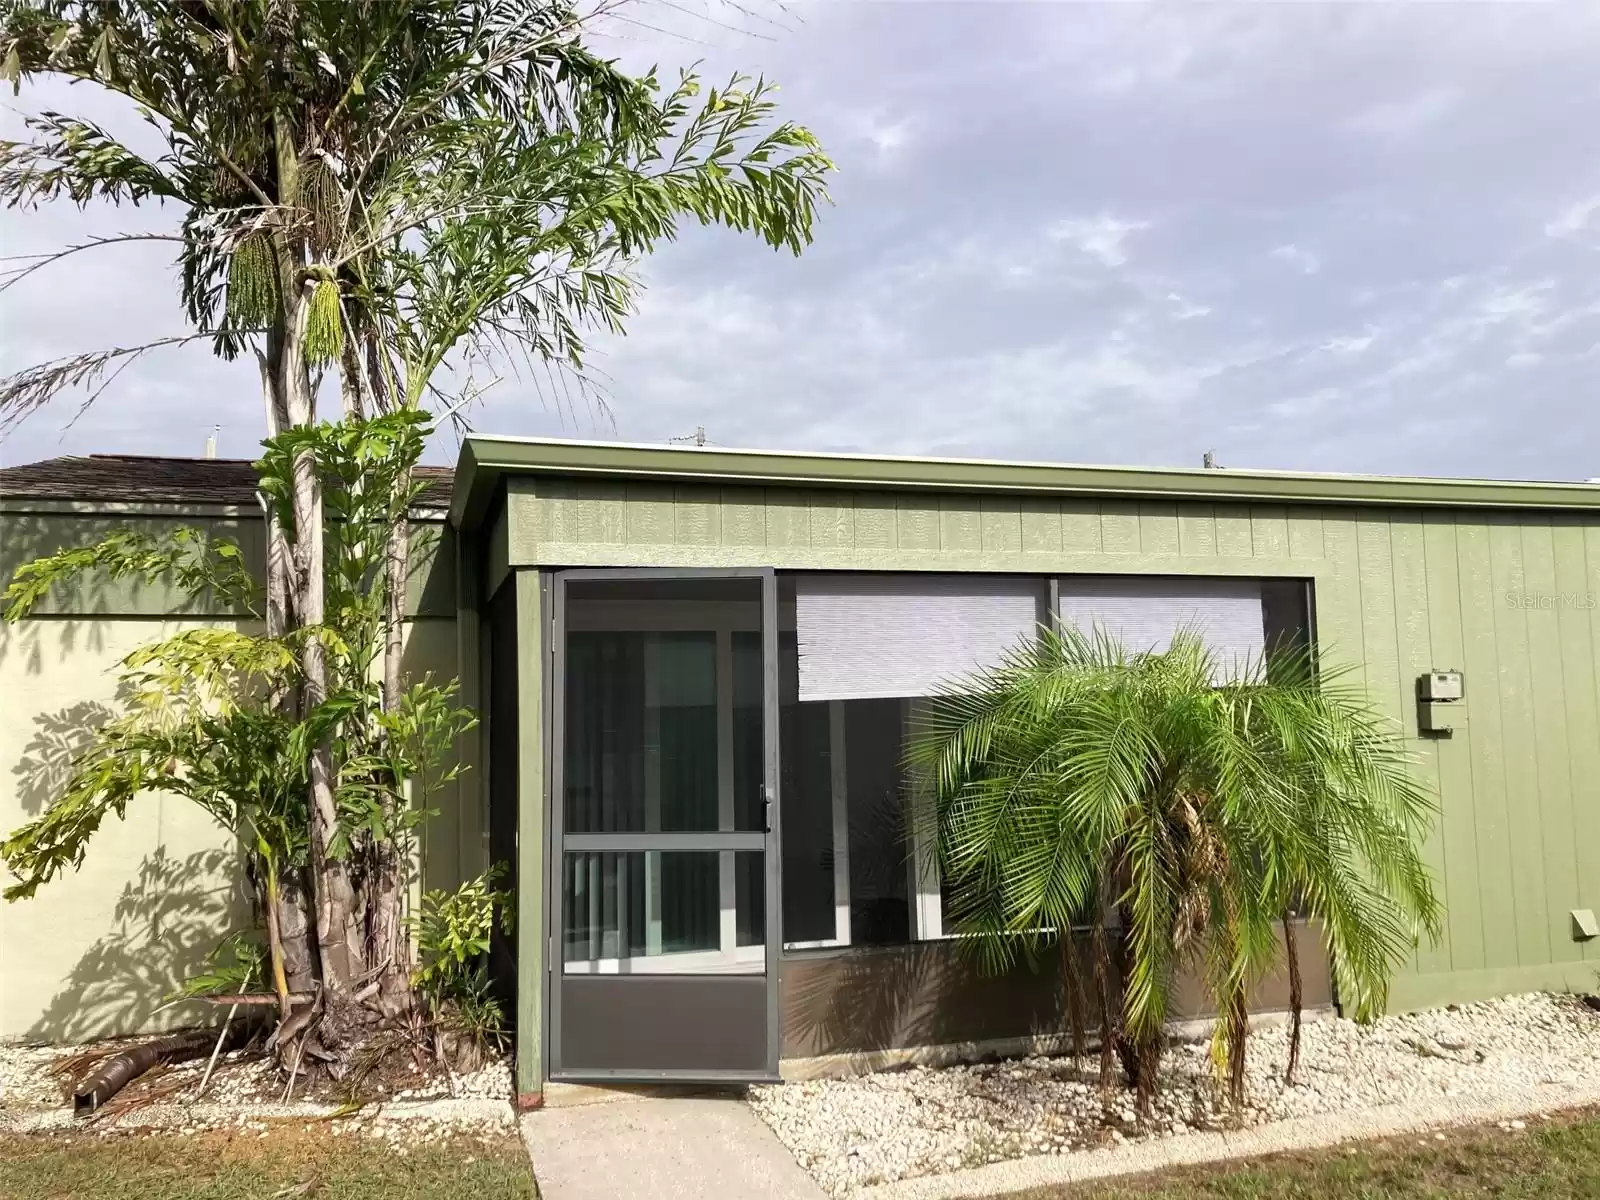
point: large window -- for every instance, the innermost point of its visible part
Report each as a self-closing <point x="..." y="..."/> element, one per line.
<point x="847" y="862"/>
<point x="859" y="653"/>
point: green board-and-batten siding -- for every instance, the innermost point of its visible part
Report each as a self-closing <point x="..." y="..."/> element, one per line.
<point x="1504" y="596"/>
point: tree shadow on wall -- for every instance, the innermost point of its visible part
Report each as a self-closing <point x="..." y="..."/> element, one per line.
<point x="73" y="618"/>
<point x="931" y="994"/>
<point x="866" y="999"/>
<point x="70" y="619"/>
<point x="166" y="923"/>
<point x="58" y="739"/>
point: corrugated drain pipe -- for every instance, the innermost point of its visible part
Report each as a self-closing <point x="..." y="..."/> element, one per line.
<point x="118" y="1071"/>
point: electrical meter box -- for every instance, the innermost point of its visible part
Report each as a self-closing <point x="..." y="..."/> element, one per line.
<point x="1440" y="686"/>
<point x="1441" y="709"/>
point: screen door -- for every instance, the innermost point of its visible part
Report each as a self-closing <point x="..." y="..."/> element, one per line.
<point x="664" y="930"/>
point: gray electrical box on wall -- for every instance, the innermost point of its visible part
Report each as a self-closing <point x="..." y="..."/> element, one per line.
<point x="1440" y="685"/>
<point x="1441" y="702"/>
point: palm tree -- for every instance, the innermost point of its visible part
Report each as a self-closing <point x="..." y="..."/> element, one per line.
<point x="1179" y="815"/>
<point x="388" y="192"/>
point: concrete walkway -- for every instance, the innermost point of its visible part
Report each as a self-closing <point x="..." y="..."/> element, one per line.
<point x="653" y="1149"/>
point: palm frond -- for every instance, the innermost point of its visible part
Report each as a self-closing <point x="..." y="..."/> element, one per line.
<point x="1202" y="797"/>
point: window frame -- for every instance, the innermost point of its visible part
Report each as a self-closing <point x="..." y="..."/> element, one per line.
<point x="923" y="876"/>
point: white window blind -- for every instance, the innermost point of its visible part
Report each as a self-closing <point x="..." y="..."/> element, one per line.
<point x="1143" y="613"/>
<point x="866" y="636"/>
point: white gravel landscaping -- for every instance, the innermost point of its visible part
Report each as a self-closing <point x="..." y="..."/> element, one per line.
<point x="854" y="1133"/>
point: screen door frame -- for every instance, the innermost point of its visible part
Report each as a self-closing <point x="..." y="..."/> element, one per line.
<point x="562" y="985"/>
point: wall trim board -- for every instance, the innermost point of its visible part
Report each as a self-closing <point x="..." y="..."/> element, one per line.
<point x="531" y="827"/>
<point x="576" y="555"/>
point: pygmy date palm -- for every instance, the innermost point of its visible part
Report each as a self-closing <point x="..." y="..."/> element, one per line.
<point x="1178" y="809"/>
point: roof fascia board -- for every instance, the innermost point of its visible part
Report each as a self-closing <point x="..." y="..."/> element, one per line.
<point x="484" y="460"/>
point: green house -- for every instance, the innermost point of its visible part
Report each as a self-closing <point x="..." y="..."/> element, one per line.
<point x="696" y="667"/>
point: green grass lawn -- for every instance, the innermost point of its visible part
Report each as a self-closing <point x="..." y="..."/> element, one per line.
<point x="290" y="1163"/>
<point x="1549" y="1160"/>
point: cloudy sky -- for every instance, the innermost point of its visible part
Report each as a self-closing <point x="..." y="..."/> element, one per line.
<point x="1356" y="237"/>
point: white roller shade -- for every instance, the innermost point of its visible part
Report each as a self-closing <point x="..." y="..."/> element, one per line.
<point x="868" y="636"/>
<point x="1143" y="613"/>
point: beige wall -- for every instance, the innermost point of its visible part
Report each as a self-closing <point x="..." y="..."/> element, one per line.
<point x="98" y="951"/>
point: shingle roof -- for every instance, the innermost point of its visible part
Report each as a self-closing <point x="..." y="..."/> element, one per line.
<point x="132" y="478"/>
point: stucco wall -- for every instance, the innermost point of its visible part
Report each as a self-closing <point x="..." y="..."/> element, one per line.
<point x="97" y="952"/>
<point x="1508" y="597"/>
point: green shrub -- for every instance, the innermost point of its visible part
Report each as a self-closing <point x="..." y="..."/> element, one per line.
<point x="453" y="932"/>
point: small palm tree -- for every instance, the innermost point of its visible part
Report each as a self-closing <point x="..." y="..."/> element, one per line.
<point x="1180" y="816"/>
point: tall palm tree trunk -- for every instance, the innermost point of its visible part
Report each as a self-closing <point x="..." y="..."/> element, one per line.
<point x="288" y="907"/>
<point x="339" y="940"/>
<point x="386" y="898"/>
<point x="390" y="946"/>
<point x="340" y="943"/>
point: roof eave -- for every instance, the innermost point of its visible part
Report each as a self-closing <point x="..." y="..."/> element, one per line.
<point x="473" y="487"/>
<point x="484" y="460"/>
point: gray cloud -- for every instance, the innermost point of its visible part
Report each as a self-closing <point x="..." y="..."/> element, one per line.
<point x="1352" y="237"/>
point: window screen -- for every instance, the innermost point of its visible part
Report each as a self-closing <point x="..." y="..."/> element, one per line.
<point x="864" y="637"/>
<point x="1144" y="612"/>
